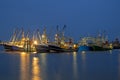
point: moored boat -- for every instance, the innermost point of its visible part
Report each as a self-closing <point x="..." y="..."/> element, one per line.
<point x="41" y="43"/>
<point x="116" y="44"/>
<point x="62" y="43"/>
<point x="19" y="42"/>
<point x="99" y="43"/>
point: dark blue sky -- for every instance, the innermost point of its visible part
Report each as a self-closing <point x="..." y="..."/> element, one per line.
<point x="82" y="17"/>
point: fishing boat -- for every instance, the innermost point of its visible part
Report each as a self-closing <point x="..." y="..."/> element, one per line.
<point x="116" y="44"/>
<point x="41" y="42"/>
<point x="19" y="42"/>
<point x="62" y="44"/>
<point x="12" y="45"/>
<point x="99" y="43"/>
<point x="85" y="44"/>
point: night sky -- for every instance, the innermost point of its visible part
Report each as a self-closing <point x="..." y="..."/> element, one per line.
<point x="82" y="17"/>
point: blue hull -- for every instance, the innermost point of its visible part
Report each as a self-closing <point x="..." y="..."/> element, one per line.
<point x="84" y="48"/>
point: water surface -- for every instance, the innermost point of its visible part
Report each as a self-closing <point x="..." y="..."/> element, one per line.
<point x="60" y="66"/>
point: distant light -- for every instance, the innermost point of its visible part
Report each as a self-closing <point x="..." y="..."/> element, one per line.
<point x="83" y="52"/>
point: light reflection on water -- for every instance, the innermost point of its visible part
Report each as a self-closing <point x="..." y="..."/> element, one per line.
<point x="75" y="64"/>
<point x="119" y="66"/>
<point x="62" y="66"/>
<point x="110" y="51"/>
<point x="35" y="69"/>
<point x="24" y="66"/>
<point x="83" y="57"/>
<point x="43" y="59"/>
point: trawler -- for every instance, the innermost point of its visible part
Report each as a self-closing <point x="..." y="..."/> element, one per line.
<point x="116" y="44"/>
<point x="61" y="43"/>
<point x="99" y="43"/>
<point x="19" y="42"/>
<point x="41" y="42"/>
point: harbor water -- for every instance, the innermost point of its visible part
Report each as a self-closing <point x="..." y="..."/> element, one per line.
<point x="104" y="65"/>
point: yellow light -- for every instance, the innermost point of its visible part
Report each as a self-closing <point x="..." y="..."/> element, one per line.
<point x="75" y="46"/>
<point x="35" y="42"/>
<point x="111" y="46"/>
<point x="74" y="52"/>
<point x="23" y="53"/>
<point x="21" y="46"/>
<point x="36" y="69"/>
<point x="35" y="58"/>
<point x="34" y="52"/>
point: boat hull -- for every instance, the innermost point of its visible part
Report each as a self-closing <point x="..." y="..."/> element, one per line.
<point x="55" y="48"/>
<point x="12" y="48"/>
<point x="93" y="48"/>
<point x="85" y="48"/>
<point x="98" y="48"/>
<point x="42" y="48"/>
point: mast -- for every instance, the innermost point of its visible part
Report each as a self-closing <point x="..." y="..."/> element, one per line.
<point x="13" y="38"/>
<point x="39" y="36"/>
<point x="44" y="36"/>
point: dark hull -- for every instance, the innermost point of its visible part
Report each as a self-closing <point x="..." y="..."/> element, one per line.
<point x="42" y="48"/>
<point x="116" y="47"/>
<point x="54" y="48"/>
<point x="97" y="48"/>
<point x="70" y="50"/>
<point x="12" y="48"/>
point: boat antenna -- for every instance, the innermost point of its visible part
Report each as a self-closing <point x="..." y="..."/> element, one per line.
<point x="23" y="33"/>
<point x="20" y="34"/>
<point x="38" y="33"/>
<point x="64" y="27"/>
<point x="57" y="28"/>
<point x="28" y="34"/>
